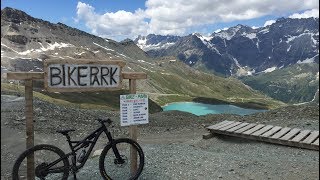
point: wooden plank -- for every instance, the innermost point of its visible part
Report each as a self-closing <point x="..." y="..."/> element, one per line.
<point x="222" y="125"/>
<point x="254" y="129"/>
<point x="25" y="75"/>
<point x="290" y="134"/>
<point x="237" y="127"/>
<point x="229" y="126"/>
<point x="245" y="128"/>
<point x="316" y="142"/>
<point x="263" y="130"/>
<point x="271" y="132"/>
<point x="120" y="63"/>
<point x="313" y="135"/>
<point x="301" y="135"/>
<point x="215" y="125"/>
<point x="134" y="75"/>
<point x="282" y="132"/>
<point x="207" y="135"/>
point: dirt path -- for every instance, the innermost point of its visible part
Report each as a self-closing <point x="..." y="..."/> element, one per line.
<point x="172" y="142"/>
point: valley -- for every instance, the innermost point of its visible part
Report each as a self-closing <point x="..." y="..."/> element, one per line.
<point x="272" y="69"/>
<point x="166" y="75"/>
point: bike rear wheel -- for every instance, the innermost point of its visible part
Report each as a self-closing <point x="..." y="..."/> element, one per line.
<point x="114" y="168"/>
<point x="43" y="155"/>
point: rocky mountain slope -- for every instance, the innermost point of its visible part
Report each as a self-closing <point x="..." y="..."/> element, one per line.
<point x="26" y="42"/>
<point x="296" y="83"/>
<point x="242" y="50"/>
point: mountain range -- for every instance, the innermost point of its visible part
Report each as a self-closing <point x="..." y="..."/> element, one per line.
<point x="27" y="41"/>
<point x="280" y="60"/>
<point x="242" y="50"/>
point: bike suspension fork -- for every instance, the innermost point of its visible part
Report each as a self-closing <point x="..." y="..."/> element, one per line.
<point x="113" y="146"/>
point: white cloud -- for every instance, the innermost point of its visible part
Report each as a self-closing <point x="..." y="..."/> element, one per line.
<point x="306" y="14"/>
<point x="268" y="23"/>
<point x="115" y="24"/>
<point x="177" y="17"/>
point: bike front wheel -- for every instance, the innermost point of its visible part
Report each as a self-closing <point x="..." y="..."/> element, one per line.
<point x="115" y="163"/>
<point x="49" y="163"/>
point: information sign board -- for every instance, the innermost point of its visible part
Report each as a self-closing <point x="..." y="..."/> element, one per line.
<point x="134" y="109"/>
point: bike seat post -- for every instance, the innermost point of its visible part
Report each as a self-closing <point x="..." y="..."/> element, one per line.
<point x="69" y="140"/>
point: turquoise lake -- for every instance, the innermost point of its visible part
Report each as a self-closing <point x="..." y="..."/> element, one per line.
<point x="203" y="109"/>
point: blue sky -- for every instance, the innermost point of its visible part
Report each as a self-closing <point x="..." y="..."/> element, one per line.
<point x="120" y="19"/>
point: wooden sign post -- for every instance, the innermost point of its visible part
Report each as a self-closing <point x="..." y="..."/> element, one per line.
<point x="28" y="78"/>
<point x="29" y="126"/>
<point x="75" y="75"/>
<point x="133" y="129"/>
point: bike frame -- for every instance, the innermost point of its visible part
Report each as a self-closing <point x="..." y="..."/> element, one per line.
<point x="82" y="144"/>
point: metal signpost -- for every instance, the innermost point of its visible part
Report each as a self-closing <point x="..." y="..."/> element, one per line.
<point x="75" y="76"/>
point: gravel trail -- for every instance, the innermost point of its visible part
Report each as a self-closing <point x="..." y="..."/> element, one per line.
<point x="172" y="142"/>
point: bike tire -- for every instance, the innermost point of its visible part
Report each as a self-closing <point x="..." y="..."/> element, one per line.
<point x="46" y="147"/>
<point x="108" y="149"/>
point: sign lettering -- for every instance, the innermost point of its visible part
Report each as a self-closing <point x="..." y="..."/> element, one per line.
<point x="84" y="75"/>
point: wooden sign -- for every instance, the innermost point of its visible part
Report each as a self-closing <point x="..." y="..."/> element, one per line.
<point x="134" y="109"/>
<point x="82" y="75"/>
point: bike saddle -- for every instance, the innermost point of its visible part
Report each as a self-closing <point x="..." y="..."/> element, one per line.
<point x="65" y="131"/>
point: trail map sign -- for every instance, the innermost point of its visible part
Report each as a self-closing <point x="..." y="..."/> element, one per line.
<point x="134" y="109"/>
<point x="82" y="75"/>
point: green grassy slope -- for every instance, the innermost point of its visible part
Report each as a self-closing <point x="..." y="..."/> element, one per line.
<point x="294" y="84"/>
<point x="168" y="81"/>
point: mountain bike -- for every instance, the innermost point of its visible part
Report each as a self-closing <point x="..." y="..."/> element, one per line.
<point x="52" y="163"/>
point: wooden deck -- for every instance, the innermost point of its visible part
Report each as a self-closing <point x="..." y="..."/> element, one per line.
<point x="272" y="134"/>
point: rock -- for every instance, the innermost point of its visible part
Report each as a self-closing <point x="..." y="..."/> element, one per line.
<point x="97" y="152"/>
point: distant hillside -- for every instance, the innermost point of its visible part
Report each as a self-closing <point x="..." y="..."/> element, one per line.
<point x="242" y="50"/>
<point x="26" y="42"/>
<point x="294" y="84"/>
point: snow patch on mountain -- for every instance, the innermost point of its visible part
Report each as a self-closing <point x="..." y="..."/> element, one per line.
<point x="307" y="60"/>
<point x="79" y="53"/>
<point x="42" y="48"/>
<point x="292" y="38"/>
<point x="142" y="61"/>
<point x="225" y="35"/>
<point x="250" y="35"/>
<point x="160" y="45"/>
<point x="104" y="47"/>
<point x="204" y="39"/>
<point x="54" y="46"/>
<point x="264" y="31"/>
<point x="270" y="69"/>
